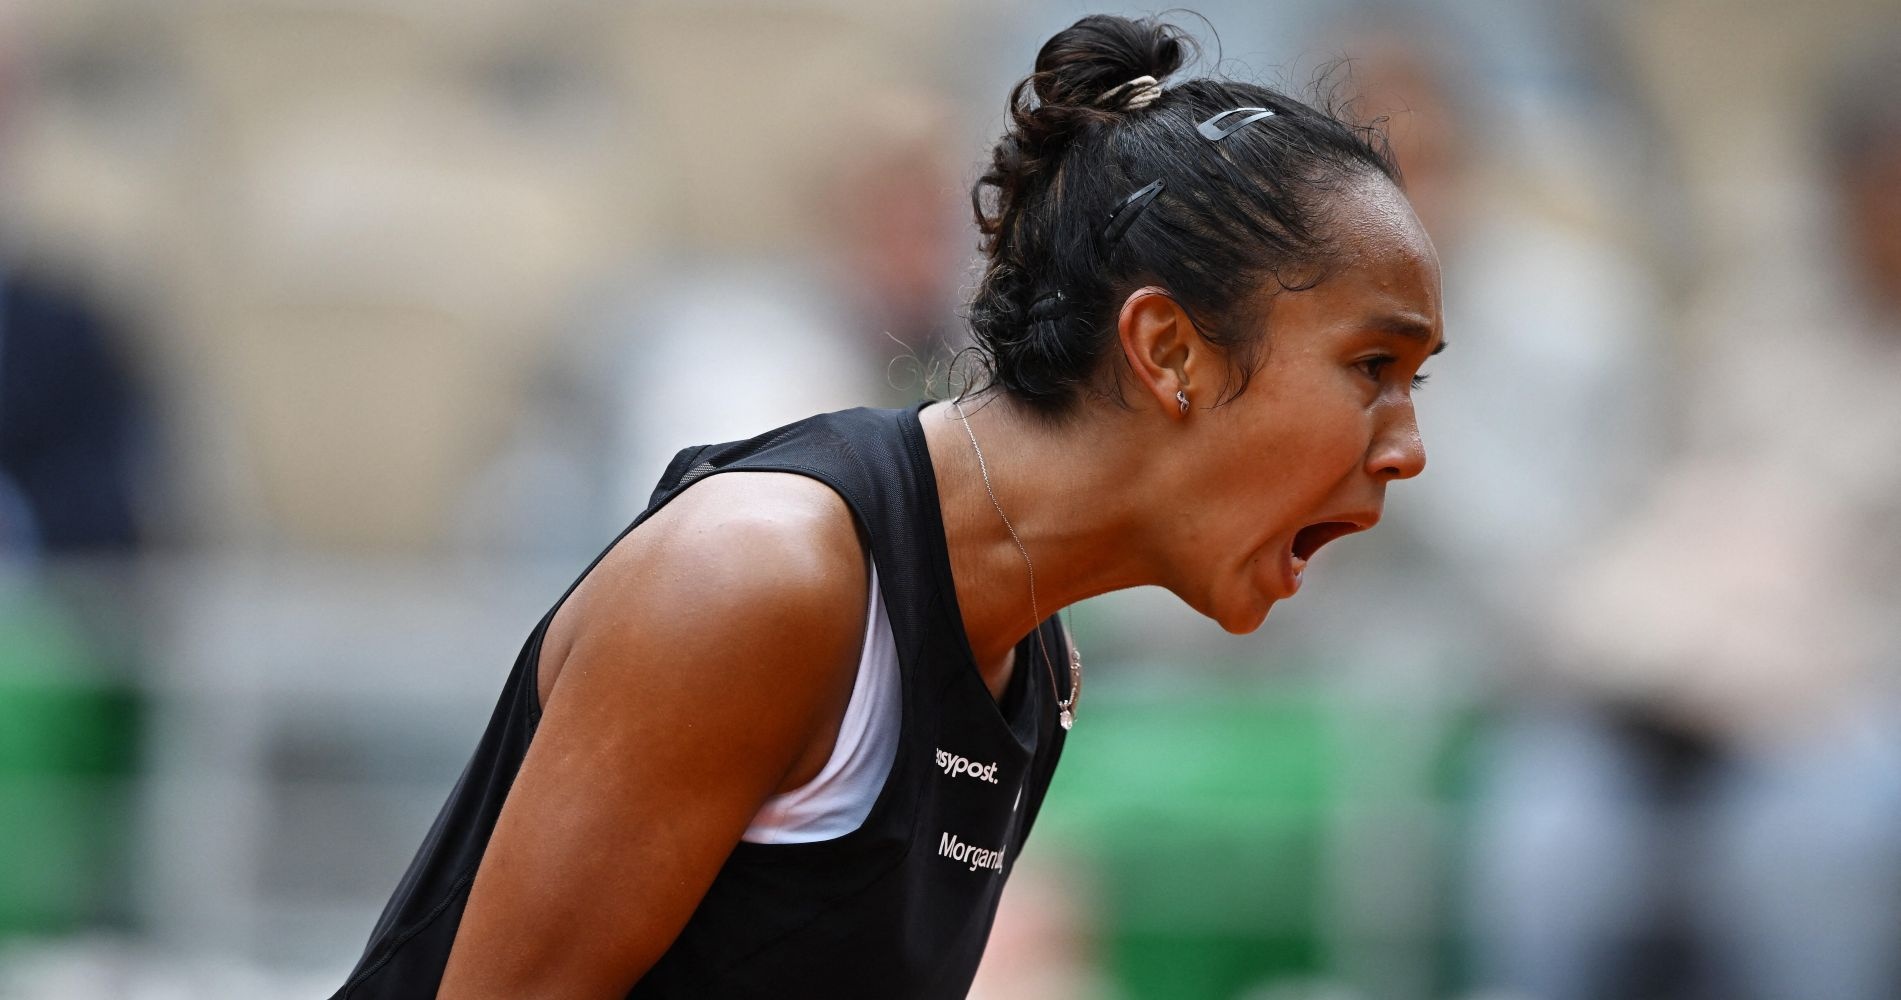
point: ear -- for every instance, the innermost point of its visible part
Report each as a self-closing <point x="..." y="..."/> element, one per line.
<point x="1163" y="348"/>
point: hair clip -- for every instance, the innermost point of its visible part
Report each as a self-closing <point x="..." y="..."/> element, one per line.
<point x="1047" y="307"/>
<point x="1125" y="214"/>
<point x="1216" y="133"/>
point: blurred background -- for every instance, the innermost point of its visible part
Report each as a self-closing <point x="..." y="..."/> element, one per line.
<point x="336" y="336"/>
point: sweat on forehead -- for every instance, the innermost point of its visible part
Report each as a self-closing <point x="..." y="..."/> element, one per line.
<point x="1372" y="212"/>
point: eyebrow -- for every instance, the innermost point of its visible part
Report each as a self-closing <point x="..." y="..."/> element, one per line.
<point x="1410" y="327"/>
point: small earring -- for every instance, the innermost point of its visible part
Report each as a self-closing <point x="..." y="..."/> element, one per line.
<point x="1182" y="398"/>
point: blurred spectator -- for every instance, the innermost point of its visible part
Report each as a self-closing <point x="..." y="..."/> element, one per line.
<point x="859" y="317"/>
<point x="896" y="217"/>
<point x="721" y="347"/>
<point x="1712" y="806"/>
<point x="1864" y="146"/>
<point x="72" y="424"/>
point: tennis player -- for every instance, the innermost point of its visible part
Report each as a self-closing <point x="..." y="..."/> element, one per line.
<point x="786" y="736"/>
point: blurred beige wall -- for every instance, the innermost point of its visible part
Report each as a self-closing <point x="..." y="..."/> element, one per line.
<point x="351" y="228"/>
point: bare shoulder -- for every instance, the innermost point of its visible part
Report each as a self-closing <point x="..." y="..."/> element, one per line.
<point x="746" y="552"/>
<point x="701" y="666"/>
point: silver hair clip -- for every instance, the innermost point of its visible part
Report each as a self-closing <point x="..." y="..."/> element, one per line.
<point x="1216" y="133"/>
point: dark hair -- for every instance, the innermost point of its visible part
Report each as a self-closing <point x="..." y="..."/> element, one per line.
<point x="1230" y="214"/>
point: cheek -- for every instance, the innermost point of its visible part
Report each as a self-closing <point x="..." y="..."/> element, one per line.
<point x="1292" y="442"/>
<point x="1280" y="473"/>
<point x="1334" y="432"/>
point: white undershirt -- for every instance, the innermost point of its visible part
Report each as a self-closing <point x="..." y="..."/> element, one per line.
<point x="838" y="799"/>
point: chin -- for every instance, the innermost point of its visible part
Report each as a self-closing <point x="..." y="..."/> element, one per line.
<point x="1243" y="617"/>
<point x="1240" y="614"/>
<point x="1244" y="625"/>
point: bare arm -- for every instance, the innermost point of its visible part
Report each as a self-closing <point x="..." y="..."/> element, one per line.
<point x="707" y="661"/>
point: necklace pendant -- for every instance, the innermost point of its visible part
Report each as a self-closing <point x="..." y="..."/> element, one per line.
<point x="1068" y="705"/>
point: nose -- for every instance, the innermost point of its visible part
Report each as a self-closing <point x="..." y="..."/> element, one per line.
<point x="1397" y="451"/>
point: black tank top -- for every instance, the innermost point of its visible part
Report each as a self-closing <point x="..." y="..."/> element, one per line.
<point x="900" y="907"/>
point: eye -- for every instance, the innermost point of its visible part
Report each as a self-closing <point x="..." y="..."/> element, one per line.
<point x="1375" y="367"/>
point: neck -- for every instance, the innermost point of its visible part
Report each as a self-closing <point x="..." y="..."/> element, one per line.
<point x="1065" y="491"/>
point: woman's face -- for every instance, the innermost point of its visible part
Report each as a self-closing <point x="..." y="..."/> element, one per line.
<point x="1304" y="455"/>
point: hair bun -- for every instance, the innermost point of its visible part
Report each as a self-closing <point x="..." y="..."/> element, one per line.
<point x="1082" y="64"/>
<point x="1080" y="78"/>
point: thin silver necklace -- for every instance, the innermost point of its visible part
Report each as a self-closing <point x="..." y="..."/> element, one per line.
<point x="1066" y="707"/>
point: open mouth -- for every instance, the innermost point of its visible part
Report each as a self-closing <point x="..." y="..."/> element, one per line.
<point x="1308" y="540"/>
